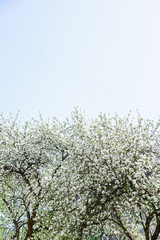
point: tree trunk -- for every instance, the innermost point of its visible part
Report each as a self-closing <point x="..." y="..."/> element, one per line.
<point x="157" y="230"/>
<point x="30" y="227"/>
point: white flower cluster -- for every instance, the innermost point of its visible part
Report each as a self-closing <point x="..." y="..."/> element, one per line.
<point x="80" y="179"/>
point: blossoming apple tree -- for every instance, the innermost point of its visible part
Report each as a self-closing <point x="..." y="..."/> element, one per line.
<point x="29" y="159"/>
<point x="80" y="178"/>
<point x="112" y="174"/>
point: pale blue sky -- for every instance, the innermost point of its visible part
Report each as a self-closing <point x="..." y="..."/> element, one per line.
<point x="102" y="55"/>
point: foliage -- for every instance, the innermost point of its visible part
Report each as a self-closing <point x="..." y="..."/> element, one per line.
<point x="79" y="179"/>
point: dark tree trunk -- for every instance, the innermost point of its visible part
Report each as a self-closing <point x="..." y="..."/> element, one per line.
<point x="30" y="227"/>
<point x="157" y="230"/>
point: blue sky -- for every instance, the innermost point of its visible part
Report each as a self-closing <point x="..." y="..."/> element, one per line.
<point x="102" y="55"/>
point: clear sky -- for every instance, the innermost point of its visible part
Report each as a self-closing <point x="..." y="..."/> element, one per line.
<point x="102" y="55"/>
